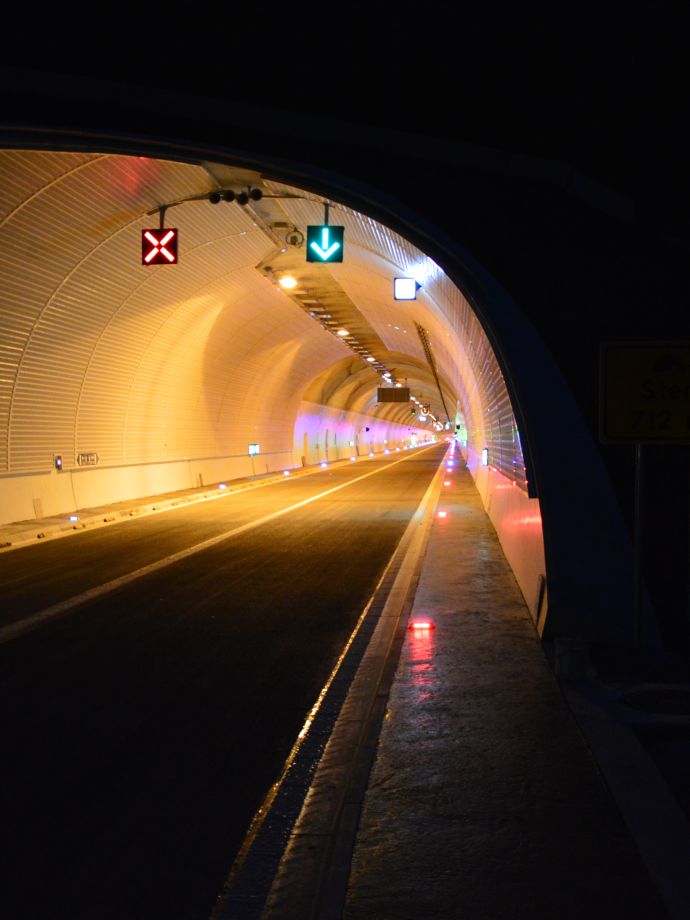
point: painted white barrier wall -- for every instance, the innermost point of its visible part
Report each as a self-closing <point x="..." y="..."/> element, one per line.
<point x="517" y="521"/>
<point x="326" y="433"/>
<point x="33" y="495"/>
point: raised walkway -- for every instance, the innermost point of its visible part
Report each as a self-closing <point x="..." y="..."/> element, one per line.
<point x="485" y="798"/>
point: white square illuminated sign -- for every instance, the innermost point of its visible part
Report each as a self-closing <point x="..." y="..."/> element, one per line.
<point x="485" y="456"/>
<point x="254" y="450"/>
<point x="405" y="289"/>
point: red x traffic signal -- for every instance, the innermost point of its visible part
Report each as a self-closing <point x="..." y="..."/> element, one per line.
<point x="159" y="247"/>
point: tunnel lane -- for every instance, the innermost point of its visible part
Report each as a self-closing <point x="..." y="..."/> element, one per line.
<point x="35" y="587"/>
<point x="141" y="731"/>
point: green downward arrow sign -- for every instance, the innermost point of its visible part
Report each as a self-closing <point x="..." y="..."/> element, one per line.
<point x="325" y="244"/>
<point x="324" y="251"/>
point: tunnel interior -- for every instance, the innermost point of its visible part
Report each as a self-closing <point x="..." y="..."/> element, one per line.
<point x="241" y="359"/>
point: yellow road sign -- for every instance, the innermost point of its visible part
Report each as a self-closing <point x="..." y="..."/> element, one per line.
<point x="645" y="393"/>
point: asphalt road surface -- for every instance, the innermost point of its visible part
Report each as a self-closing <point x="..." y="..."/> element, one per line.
<point x="140" y="731"/>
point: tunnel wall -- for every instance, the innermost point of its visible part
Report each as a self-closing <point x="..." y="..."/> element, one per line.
<point x="326" y="427"/>
<point x="517" y="521"/>
<point x="33" y="495"/>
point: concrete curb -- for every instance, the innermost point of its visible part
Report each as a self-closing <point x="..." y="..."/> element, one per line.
<point x="311" y="881"/>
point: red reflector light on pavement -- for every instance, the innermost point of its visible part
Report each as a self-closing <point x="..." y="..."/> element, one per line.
<point x="420" y="625"/>
<point x="443" y="514"/>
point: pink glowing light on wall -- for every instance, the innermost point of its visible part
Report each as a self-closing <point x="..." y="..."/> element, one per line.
<point x="423" y="672"/>
<point x="325" y="433"/>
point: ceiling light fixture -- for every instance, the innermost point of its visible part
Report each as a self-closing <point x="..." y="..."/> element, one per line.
<point x="287" y="282"/>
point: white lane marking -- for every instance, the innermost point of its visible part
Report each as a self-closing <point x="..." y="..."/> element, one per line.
<point x="14" y="630"/>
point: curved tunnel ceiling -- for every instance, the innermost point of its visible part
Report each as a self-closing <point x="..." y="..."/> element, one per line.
<point x="148" y="363"/>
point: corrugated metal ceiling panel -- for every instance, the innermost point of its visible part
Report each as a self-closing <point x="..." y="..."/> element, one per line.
<point x="100" y="353"/>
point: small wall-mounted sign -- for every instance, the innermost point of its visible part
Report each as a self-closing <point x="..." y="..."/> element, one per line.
<point x="393" y="394"/>
<point x="405" y="288"/>
<point x="254" y="450"/>
<point x="644" y="393"/>
<point x="88" y="458"/>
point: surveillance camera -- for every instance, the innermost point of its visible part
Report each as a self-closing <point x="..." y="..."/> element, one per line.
<point x="256" y="194"/>
<point x="229" y="195"/>
<point x="214" y="197"/>
<point x="294" y="238"/>
<point x="242" y="198"/>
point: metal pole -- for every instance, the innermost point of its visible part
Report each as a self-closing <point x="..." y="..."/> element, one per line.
<point x="637" y="564"/>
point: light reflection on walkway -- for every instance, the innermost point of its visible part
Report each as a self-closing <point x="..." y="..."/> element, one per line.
<point x="421" y="659"/>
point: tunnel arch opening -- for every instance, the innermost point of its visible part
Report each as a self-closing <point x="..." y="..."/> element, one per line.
<point x="166" y="374"/>
<point x="587" y="570"/>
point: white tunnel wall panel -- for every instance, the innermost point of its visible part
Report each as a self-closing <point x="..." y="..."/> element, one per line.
<point x="168" y="373"/>
<point x="517" y="520"/>
<point x="61" y="241"/>
<point x="325" y="434"/>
